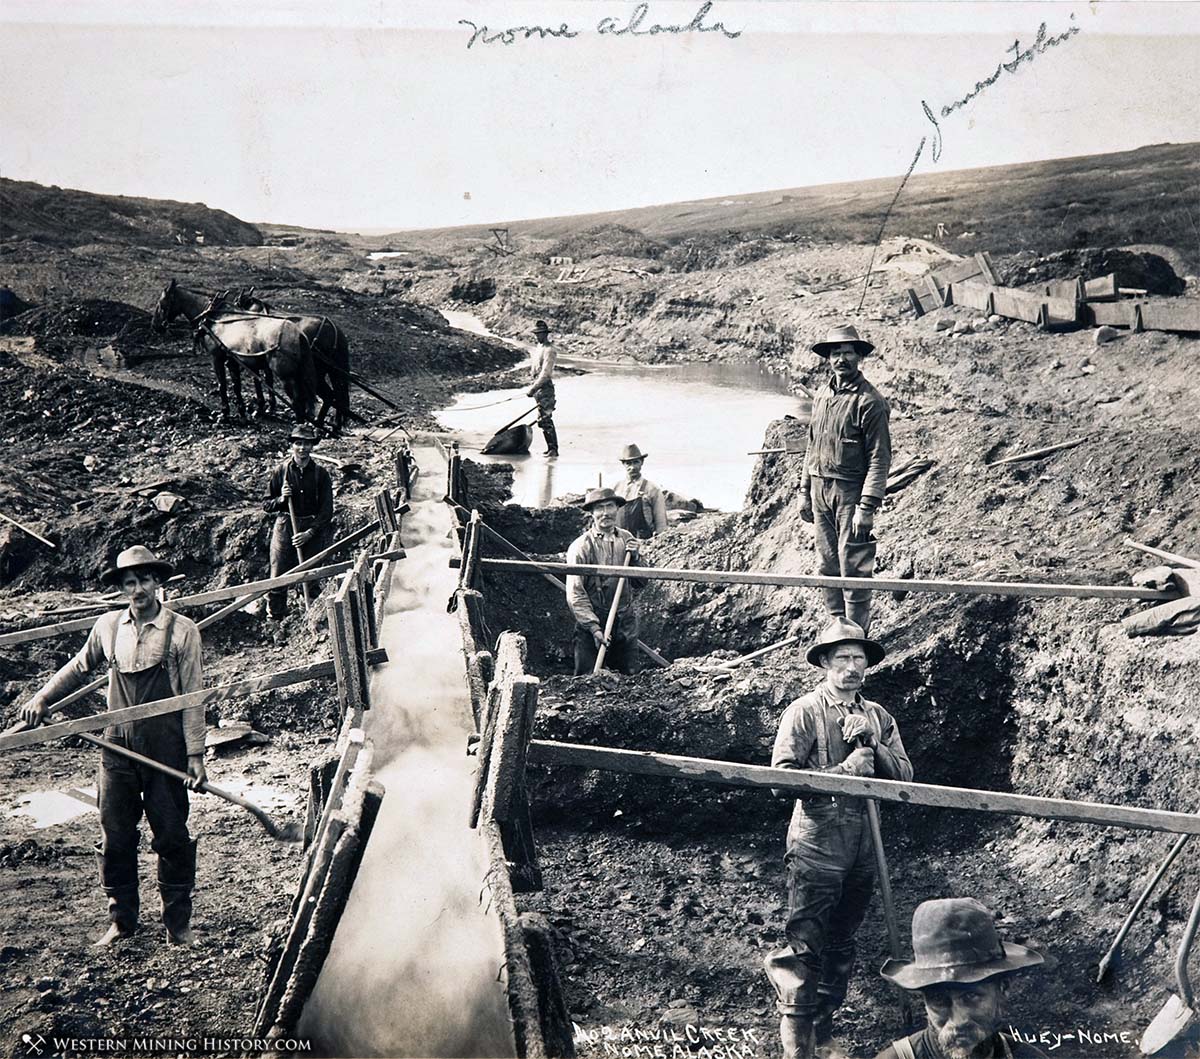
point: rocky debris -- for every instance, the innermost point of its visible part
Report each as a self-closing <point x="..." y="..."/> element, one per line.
<point x="474" y="290"/>
<point x="11" y="305"/>
<point x="1139" y="270"/>
<point x="229" y="735"/>
<point x="616" y="240"/>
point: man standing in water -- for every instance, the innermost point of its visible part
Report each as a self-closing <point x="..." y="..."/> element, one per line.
<point x="541" y="387"/>
<point x="645" y="510"/>
<point x="845" y="472"/>
<point x="152" y="653"/>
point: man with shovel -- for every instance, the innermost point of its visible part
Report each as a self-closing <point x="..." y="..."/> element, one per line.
<point x="153" y="653"/>
<point x="541" y="385"/>
<point x="300" y="496"/>
<point x="830" y="859"/>
<point x="845" y="472"/>
<point x="962" y="970"/>
<point x="591" y="598"/>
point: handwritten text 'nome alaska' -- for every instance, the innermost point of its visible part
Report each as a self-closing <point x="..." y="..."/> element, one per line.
<point x="633" y="25"/>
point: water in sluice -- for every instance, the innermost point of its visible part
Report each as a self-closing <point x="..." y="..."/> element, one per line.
<point x="415" y="965"/>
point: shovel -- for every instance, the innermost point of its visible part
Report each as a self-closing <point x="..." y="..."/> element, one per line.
<point x="612" y="620"/>
<point x="1179" y="1012"/>
<point x="289" y="832"/>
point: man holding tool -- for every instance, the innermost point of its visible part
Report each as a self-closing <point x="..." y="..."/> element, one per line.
<point x="153" y="653"/>
<point x="592" y="598"/>
<point x="541" y="386"/>
<point x="300" y="495"/>
<point x="962" y="970"/>
<point x="831" y="859"/>
<point x="845" y="472"/>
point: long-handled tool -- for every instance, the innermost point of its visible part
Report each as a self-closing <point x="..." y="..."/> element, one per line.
<point x="1113" y="955"/>
<point x="733" y="663"/>
<point x="288" y="832"/>
<point x="1180" y="1009"/>
<point x="612" y="619"/>
<point x="299" y="553"/>
<point x="1171" y="557"/>
<point x="885" y="893"/>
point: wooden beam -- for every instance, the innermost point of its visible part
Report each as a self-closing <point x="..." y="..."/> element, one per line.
<point x="221" y="693"/>
<point x="729" y="577"/>
<point x="1037" y="454"/>
<point x="732" y="774"/>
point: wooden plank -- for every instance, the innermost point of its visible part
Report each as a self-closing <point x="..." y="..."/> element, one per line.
<point x="1061" y="288"/>
<point x="731" y="774"/>
<point x="359" y="639"/>
<point x="972" y="295"/>
<point x="40" y="632"/>
<point x="1103" y="288"/>
<point x="1109" y="314"/>
<point x="956" y="271"/>
<point x="1163" y="316"/>
<point x="221" y="693"/>
<point x="987" y="269"/>
<point x="335" y="611"/>
<point x="730" y="577"/>
<point x="553" y="1013"/>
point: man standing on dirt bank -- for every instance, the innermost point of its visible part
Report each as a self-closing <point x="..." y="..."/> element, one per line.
<point x="152" y="653"/>
<point x="845" y="472"/>
<point x="590" y="598"/>
<point x="645" y="510"/>
<point x="302" y="483"/>
<point x="962" y="970"/>
<point x="830" y="859"/>
<point x="541" y="387"/>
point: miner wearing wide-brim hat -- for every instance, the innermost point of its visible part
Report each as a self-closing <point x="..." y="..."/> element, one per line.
<point x="590" y="597"/>
<point x="846" y="464"/>
<point x="152" y="653"/>
<point x="298" y="482"/>
<point x="962" y="970"/>
<point x="645" y="510"/>
<point x="830" y="859"/>
<point x="541" y="384"/>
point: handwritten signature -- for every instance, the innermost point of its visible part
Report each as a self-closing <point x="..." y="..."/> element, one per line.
<point x="1020" y="55"/>
<point x="607" y="26"/>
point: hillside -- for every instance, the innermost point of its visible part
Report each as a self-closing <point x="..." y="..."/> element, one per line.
<point x="65" y="217"/>
<point x="1146" y="195"/>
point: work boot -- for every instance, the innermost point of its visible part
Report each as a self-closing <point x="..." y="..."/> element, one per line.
<point x="860" y="613"/>
<point x="118" y="879"/>
<point x="551" y="435"/>
<point x="796" y="1033"/>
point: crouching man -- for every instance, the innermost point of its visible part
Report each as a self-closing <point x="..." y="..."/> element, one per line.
<point x="830" y="860"/>
<point x="962" y="970"/>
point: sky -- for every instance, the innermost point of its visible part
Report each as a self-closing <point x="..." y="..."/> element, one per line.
<point x="377" y="115"/>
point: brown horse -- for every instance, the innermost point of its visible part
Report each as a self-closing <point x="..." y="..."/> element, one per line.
<point x="331" y="356"/>
<point x="261" y="344"/>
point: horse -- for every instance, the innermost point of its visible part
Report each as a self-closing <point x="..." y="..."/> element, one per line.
<point x="331" y="356"/>
<point x="262" y="344"/>
<point x="267" y="347"/>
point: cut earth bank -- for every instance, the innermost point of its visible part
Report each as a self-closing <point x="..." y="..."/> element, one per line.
<point x="665" y="896"/>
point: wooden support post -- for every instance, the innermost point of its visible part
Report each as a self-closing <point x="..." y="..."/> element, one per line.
<point x="554" y="1016"/>
<point x="339" y="638"/>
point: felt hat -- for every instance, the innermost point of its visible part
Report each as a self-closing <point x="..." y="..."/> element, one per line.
<point x="955" y="941"/>
<point x="632" y="452"/>
<point x="540" y="327"/>
<point x="304" y="432"/>
<point x="842" y="630"/>
<point x="135" y="558"/>
<point x="835" y="336"/>
<point x="598" y="496"/>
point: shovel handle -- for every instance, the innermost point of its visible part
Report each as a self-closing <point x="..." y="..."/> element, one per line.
<point x="299" y="553"/>
<point x="612" y="619"/>
<point x="1181" y="958"/>
<point x="517" y="420"/>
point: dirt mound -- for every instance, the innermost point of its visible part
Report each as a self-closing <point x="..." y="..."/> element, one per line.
<point x="11" y="305"/>
<point x="699" y="253"/>
<point x="1140" y="270"/>
<point x="71" y="218"/>
<point x="616" y="240"/>
<point x="474" y="290"/>
<point x="92" y="318"/>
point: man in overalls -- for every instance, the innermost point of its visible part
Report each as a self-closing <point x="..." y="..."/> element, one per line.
<point x="845" y="472"/>
<point x="541" y="386"/>
<point x="830" y="859"/>
<point x="590" y="598"/>
<point x="303" y="483"/>
<point x="153" y="653"/>
<point x="645" y="510"/>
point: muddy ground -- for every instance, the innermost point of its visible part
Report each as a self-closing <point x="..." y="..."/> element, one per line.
<point x="664" y="899"/>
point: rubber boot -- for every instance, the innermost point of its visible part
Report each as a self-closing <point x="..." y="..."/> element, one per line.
<point x="861" y="614"/>
<point x="122" y="901"/>
<point x="797" y="1035"/>
<point x="176" y="880"/>
<point x="551" y="435"/>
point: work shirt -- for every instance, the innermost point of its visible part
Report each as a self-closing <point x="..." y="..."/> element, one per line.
<point x="136" y="651"/>
<point x="646" y="493"/>
<point x="590" y="598"/>
<point x="541" y="366"/>
<point x="925" y="1046"/>
<point x="849" y="439"/>
<point x="312" y="490"/>
<point x="810" y="737"/>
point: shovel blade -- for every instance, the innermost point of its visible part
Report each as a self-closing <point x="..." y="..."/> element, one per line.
<point x="1169" y="1023"/>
